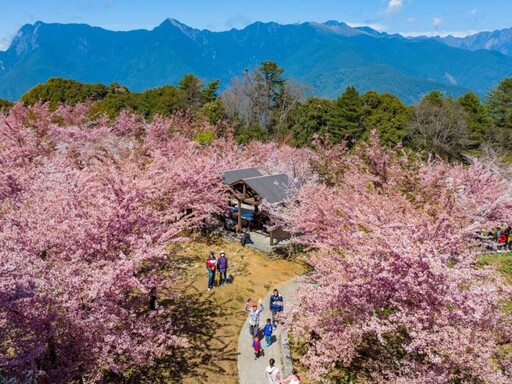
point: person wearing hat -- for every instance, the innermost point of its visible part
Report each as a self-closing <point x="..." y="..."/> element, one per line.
<point x="254" y="316"/>
<point x="211" y="266"/>
<point x="222" y="266"/>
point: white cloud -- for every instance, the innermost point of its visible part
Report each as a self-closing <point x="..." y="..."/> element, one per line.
<point x="5" y="41"/>
<point x="451" y="79"/>
<point x="411" y="20"/>
<point x="473" y="11"/>
<point x="436" y="22"/>
<point x="394" y="6"/>
<point x="377" y="27"/>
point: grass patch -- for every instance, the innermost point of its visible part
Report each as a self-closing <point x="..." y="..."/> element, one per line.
<point x="502" y="261"/>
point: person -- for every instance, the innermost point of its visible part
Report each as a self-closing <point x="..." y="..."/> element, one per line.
<point x="497" y="233"/>
<point x="267" y="331"/>
<point x="272" y="374"/>
<point x="211" y="266"/>
<point x="222" y="266"/>
<point x="230" y="224"/>
<point x="254" y="316"/>
<point x="276" y="305"/>
<point x="292" y="379"/>
<point x="258" y="349"/>
<point x="245" y="238"/>
<point x="502" y="240"/>
<point x="152" y="298"/>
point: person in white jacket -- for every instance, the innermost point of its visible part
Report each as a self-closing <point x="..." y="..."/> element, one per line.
<point x="254" y="316"/>
<point x="272" y="374"/>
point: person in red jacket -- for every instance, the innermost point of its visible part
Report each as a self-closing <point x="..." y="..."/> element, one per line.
<point x="258" y="349"/>
<point x="211" y="266"/>
<point x="502" y="241"/>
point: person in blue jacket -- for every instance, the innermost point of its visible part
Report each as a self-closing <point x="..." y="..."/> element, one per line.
<point x="267" y="331"/>
<point x="276" y="305"/>
<point x="222" y="267"/>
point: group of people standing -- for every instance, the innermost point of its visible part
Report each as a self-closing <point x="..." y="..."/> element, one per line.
<point x="503" y="237"/>
<point x="254" y="310"/>
<point x="213" y="265"/>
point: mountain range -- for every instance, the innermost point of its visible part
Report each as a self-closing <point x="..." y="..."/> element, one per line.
<point x="327" y="57"/>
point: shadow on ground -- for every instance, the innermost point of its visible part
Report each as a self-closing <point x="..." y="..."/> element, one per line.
<point x="197" y="318"/>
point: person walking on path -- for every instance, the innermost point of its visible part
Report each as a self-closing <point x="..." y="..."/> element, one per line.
<point x="292" y="379"/>
<point x="254" y="316"/>
<point x="258" y="349"/>
<point x="267" y="331"/>
<point x="276" y="305"/>
<point x="222" y="266"/>
<point x="272" y="374"/>
<point x="211" y="266"/>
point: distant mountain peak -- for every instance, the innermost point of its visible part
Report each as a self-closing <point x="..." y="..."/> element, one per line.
<point x="170" y="24"/>
<point x="338" y="28"/>
<point x="176" y="23"/>
<point x="26" y="38"/>
<point x="371" y="31"/>
<point x="334" y="23"/>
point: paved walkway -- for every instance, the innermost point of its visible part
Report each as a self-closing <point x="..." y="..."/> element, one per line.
<point x="252" y="371"/>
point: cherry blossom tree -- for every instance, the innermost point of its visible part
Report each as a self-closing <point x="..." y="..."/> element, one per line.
<point x="396" y="295"/>
<point x="86" y="214"/>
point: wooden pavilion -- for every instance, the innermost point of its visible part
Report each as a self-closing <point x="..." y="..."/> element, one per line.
<point x="248" y="186"/>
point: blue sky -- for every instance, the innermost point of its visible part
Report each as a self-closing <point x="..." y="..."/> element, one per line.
<point x="410" y="17"/>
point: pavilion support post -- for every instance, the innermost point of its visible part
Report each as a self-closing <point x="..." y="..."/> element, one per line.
<point x="239" y="215"/>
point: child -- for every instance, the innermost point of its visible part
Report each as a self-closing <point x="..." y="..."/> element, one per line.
<point x="258" y="350"/>
<point x="268" y="332"/>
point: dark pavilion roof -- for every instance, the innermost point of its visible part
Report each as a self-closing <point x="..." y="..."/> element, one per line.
<point x="273" y="188"/>
<point x="229" y="177"/>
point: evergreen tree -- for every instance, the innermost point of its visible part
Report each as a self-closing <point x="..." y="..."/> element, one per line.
<point x="478" y="120"/>
<point x="64" y="91"/>
<point x="272" y="88"/>
<point x="387" y="115"/>
<point x="347" y="117"/>
<point x="308" y="119"/>
<point x="191" y="88"/>
<point x="210" y="91"/>
<point x="499" y="102"/>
